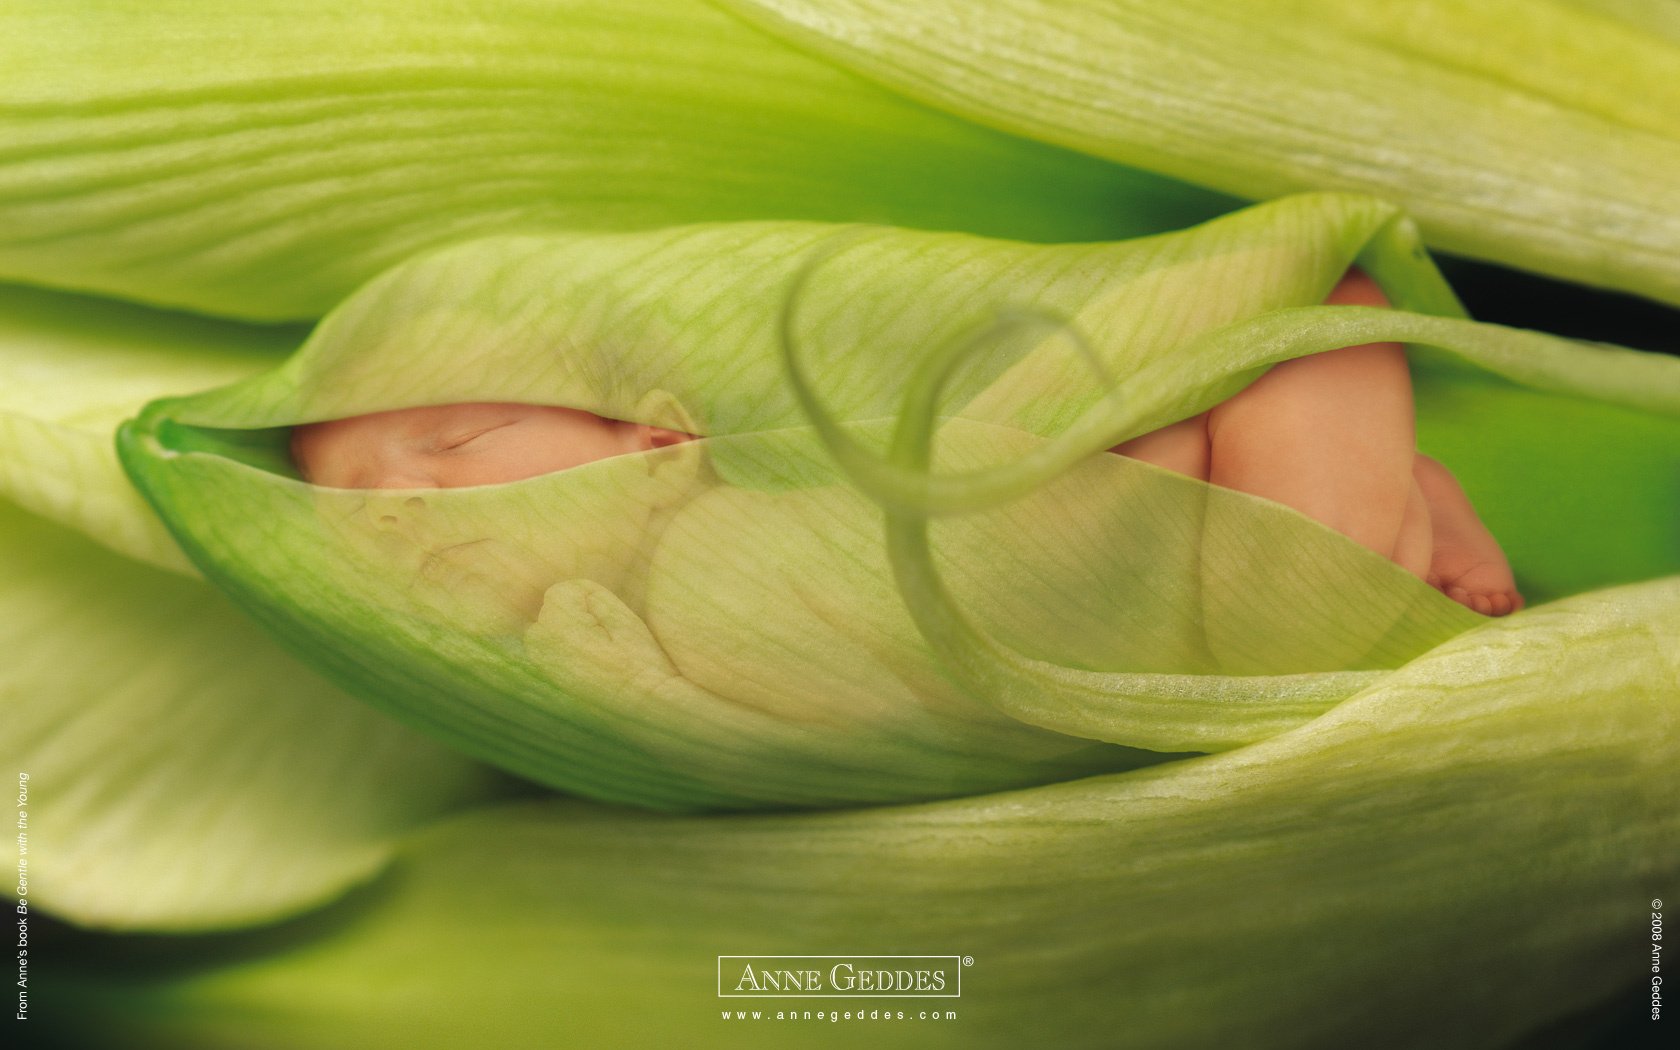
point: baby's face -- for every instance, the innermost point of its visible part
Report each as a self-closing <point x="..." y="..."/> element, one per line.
<point x="449" y="446"/>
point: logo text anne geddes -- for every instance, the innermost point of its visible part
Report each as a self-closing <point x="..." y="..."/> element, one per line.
<point x="831" y="976"/>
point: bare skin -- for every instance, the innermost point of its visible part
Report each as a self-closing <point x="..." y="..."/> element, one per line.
<point x="450" y="446"/>
<point x="1330" y="435"/>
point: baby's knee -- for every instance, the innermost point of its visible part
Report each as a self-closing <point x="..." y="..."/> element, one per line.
<point x="1182" y="447"/>
<point x="1356" y="288"/>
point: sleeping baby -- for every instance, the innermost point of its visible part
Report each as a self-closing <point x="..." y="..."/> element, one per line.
<point x="1330" y="435"/>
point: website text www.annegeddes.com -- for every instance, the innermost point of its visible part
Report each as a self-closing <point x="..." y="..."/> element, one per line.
<point x="840" y="1016"/>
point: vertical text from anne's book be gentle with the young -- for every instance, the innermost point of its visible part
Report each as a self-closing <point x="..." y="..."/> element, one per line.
<point x="22" y="890"/>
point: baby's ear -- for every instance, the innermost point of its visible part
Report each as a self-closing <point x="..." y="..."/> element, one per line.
<point x="662" y="419"/>
<point x="662" y="422"/>
<point x="659" y="437"/>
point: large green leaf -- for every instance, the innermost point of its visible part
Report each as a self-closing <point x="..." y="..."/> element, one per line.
<point x="1537" y="133"/>
<point x="184" y="772"/>
<point x="1657" y="16"/>
<point x="1351" y="883"/>
<point x="717" y="625"/>
<point x="263" y="158"/>
<point x="1351" y="878"/>
<point x="1644" y="402"/>
<point x="71" y="369"/>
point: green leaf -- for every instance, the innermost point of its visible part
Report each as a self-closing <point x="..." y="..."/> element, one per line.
<point x="1117" y="707"/>
<point x="1537" y="133"/>
<point x="1657" y="16"/>
<point x="717" y="624"/>
<point x="262" y="159"/>
<point x="185" y="774"/>
<point x="1359" y="876"/>
<point x="71" y="369"/>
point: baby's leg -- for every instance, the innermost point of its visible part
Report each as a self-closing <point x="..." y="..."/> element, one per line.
<point x="1332" y="436"/>
<point x="1181" y="447"/>
<point x="1467" y="564"/>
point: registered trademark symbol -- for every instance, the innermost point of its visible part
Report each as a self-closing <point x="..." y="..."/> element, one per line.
<point x="968" y="960"/>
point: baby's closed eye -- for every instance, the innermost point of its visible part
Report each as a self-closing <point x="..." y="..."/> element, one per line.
<point x="457" y="445"/>
<point x="462" y="439"/>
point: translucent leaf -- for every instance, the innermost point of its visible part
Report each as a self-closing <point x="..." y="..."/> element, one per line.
<point x="1068" y="697"/>
<point x="717" y="624"/>
<point x="262" y="159"/>
<point x="1360" y="876"/>
<point x="1657" y="16"/>
<point x="184" y="772"/>
<point x="1536" y="133"/>
<point x="71" y="369"/>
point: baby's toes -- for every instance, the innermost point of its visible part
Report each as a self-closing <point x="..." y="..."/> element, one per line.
<point x="1487" y="603"/>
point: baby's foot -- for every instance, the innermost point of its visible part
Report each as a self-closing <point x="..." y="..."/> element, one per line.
<point x="1415" y="546"/>
<point x="1485" y="587"/>
<point x="1467" y="564"/>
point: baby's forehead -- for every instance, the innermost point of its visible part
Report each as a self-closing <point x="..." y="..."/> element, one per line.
<point x="318" y="444"/>
<point x="419" y="420"/>
<point x="443" y="415"/>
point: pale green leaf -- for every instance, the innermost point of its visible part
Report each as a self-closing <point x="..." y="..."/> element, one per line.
<point x="263" y="158"/>
<point x="184" y="772"/>
<point x="716" y="624"/>
<point x="1530" y="132"/>
<point x="1459" y="854"/>
<point x="71" y="369"/>
<point x="1657" y="16"/>
<point x="1633" y="396"/>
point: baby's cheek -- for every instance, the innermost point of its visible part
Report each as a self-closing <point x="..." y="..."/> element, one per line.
<point x="496" y="465"/>
<point x="463" y="470"/>
<point x="392" y="465"/>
